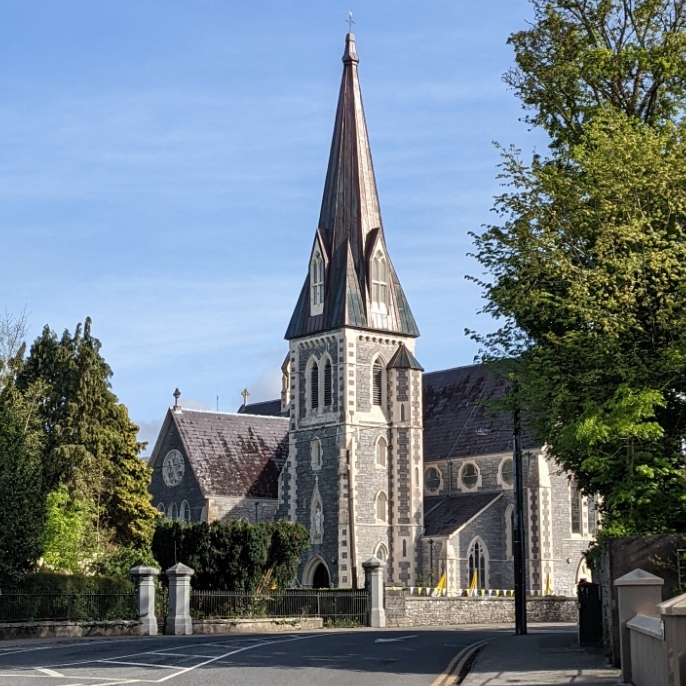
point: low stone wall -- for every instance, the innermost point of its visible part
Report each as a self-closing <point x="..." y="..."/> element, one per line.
<point x="408" y="610"/>
<point x="242" y="626"/>
<point x="12" y="630"/>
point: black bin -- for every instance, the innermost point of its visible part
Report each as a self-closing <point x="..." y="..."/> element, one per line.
<point x="590" y="614"/>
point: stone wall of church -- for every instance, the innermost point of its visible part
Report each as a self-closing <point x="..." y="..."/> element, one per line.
<point x="187" y="490"/>
<point x="326" y="482"/>
<point x="568" y="547"/>
<point x="490" y="528"/>
<point x="317" y="348"/>
<point x="253" y="510"/>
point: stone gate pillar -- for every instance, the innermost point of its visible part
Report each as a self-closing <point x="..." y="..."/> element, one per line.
<point x="179" y="618"/>
<point x="638" y="593"/>
<point x="374" y="583"/>
<point x="145" y="577"/>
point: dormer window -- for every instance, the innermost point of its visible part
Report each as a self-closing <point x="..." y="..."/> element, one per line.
<point x="380" y="283"/>
<point x="316" y="283"/>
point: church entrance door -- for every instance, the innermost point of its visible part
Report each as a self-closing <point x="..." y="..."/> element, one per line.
<point x="320" y="578"/>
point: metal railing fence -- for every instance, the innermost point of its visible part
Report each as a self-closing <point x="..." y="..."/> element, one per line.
<point x="161" y="607"/>
<point x="335" y="607"/>
<point x="34" y="607"/>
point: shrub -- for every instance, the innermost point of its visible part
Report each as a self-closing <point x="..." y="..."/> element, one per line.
<point x="234" y="556"/>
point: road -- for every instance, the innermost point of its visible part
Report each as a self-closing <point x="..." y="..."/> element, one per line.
<point x="325" y="658"/>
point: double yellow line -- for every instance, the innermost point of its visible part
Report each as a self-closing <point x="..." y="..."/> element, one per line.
<point x="451" y="673"/>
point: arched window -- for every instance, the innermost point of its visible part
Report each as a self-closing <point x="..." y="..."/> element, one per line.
<point x="161" y="508"/>
<point x="173" y="512"/>
<point x="478" y="564"/>
<point x="381" y="552"/>
<point x="317" y="283"/>
<point x="377" y="383"/>
<point x="316" y="453"/>
<point x="327" y="383"/>
<point x="314" y="386"/>
<point x="404" y="547"/>
<point x="402" y="412"/>
<point x="380" y="283"/>
<point x="381" y="451"/>
<point x="381" y="507"/>
<point x="575" y="506"/>
<point x="185" y="512"/>
<point x="509" y="532"/>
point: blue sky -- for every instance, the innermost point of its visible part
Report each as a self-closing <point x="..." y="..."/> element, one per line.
<point x="163" y="162"/>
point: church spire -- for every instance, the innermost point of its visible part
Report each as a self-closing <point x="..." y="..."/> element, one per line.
<point x="358" y="286"/>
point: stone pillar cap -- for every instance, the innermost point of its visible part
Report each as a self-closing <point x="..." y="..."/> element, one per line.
<point x="373" y="563"/>
<point x="142" y="570"/>
<point x="674" y="607"/>
<point x="639" y="577"/>
<point x="180" y="569"/>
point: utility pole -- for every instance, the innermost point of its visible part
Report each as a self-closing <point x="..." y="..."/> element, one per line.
<point x="518" y="533"/>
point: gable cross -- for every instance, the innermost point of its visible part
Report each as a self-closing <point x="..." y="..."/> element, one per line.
<point x="246" y="394"/>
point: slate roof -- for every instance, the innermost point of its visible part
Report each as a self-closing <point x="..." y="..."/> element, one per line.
<point x="458" y="423"/>
<point x="444" y="515"/>
<point x="267" y="408"/>
<point x="234" y="454"/>
<point x="350" y="227"/>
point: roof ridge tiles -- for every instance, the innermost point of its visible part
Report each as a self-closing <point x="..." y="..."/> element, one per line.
<point x="184" y="410"/>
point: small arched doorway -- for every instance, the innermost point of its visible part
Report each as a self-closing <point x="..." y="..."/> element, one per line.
<point x="320" y="577"/>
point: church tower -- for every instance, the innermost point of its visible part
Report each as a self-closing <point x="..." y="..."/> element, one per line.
<point x="353" y="475"/>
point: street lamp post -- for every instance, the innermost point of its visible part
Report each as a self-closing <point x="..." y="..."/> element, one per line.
<point x="518" y="533"/>
<point x="431" y="562"/>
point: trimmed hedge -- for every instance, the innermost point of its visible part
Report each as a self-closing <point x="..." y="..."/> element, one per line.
<point x="234" y="556"/>
<point x="46" y="582"/>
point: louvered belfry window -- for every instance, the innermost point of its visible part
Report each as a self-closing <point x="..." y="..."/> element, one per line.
<point x="314" y="386"/>
<point x="327" y="384"/>
<point x="379" y="280"/>
<point x="377" y="383"/>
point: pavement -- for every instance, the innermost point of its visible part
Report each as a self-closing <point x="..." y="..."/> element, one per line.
<point x="541" y="658"/>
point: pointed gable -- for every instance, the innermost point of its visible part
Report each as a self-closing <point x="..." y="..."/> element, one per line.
<point x="350" y="230"/>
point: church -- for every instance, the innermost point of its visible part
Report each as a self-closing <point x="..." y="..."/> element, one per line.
<point x="370" y="453"/>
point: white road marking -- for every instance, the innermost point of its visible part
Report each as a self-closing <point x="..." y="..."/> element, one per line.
<point x="49" y="672"/>
<point x="233" y="652"/>
<point x="139" y="664"/>
<point x="394" y="640"/>
<point x="184" y="655"/>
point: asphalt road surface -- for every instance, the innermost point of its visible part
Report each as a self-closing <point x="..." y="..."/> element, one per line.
<point x="324" y="658"/>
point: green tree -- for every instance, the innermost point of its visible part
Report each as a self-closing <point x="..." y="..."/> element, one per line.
<point x="65" y="536"/>
<point x="234" y="555"/>
<point x="90" y="442"/>
<point x="588" y="277"/>
<point x="21" y="490"/>
<point x="580" y="55"/>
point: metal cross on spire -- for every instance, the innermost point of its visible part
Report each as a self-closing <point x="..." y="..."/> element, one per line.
<point x="350" y="21"/>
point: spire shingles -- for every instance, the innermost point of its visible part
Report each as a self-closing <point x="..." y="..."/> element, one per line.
<point x="350" y="227"/>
